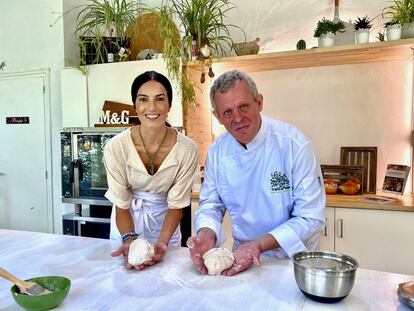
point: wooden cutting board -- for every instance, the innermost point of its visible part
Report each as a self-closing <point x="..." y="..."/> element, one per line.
<point x="146" y="35"/>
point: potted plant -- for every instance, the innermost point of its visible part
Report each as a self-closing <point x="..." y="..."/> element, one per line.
<point x="402" y="12"/>
<point x="203" y="22"/>
<point x="325" y="31"/>
<point x="381" y="35"/>
<point x="101" y="28"/>
<point x="362" y="27"/>
<point x="393" y="30"/>
<point x="203" y="35"/>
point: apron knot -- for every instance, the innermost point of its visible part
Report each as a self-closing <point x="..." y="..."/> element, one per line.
<point x="145" y="206"/>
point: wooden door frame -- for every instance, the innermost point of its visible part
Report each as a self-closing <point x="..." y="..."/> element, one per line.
<point x="45" y="75"/>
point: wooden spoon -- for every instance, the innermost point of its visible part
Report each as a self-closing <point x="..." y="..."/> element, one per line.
<point x="25" y="287"/>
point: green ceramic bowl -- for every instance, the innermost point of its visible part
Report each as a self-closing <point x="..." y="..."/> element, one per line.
<point x="59" y="285"/>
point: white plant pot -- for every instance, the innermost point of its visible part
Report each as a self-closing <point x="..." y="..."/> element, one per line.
<point x="326" y="40"/>
<point x="362" y="36"/>
<point x="394" y="32"/>
<point x="407" y="31"/>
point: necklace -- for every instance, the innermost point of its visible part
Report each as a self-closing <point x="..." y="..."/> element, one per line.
<point x="151" y="167"/>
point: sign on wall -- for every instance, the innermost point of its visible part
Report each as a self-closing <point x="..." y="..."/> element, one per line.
<point x="17" y="120"/>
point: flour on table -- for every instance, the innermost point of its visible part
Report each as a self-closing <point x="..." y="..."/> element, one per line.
<point x="217" y="260"/>
<point x="139" y="251"/>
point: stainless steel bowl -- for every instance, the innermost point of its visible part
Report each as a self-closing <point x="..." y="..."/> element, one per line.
<point x="324" y="276"/>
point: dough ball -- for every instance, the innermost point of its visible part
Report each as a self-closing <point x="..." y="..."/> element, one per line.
<point x="139" y="251"/>
<point x="217" y="260"/>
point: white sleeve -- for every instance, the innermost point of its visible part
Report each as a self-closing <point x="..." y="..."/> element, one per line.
<point x="115" y="166"/>
<point x="211" y="208"/>
<point x="309" y="202"/>
<point x="179" y="195"/>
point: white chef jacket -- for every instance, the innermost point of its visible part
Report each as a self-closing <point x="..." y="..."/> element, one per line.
<point x="272" y="187"/>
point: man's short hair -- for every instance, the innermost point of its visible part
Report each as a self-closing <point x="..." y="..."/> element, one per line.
<point x="227" y="80"/>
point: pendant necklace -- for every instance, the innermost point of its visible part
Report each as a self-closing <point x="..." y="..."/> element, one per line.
<point x="151" y="167"/>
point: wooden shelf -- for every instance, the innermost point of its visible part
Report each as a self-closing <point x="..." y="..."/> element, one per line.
<point x="339" y="55"/>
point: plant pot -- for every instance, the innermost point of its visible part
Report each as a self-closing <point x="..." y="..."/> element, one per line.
<point x="113" y="46"/>
<point x="247" y="48"/>
<point x="362" y="36"/>
<point x="407" y="31"/>
<point x="393" y="32"/>
<point x="95" y="50"/>
<point x="326" y="40"/>
<point x="91" y="50"/>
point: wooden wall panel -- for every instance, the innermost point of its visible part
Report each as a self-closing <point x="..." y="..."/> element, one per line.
<point x="197" y="120"/>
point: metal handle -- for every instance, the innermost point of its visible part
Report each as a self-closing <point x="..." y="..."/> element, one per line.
<point x="80" y="167"/>
<point x="326" y="227"/>
<point x="341" y="232"/>
<point x="76" y="164"/>
<point x="77" y="175"/>
<point x="71" y="172"/>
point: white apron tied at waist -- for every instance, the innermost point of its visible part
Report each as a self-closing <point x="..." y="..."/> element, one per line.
<point x="148" y="212"/>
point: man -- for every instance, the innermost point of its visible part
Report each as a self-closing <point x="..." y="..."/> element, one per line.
<point x="264" y="173"/>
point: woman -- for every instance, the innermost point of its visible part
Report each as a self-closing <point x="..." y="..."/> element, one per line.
<point x="150" y="170"/>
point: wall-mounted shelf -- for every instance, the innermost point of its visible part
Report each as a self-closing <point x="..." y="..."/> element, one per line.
<point x="339" y="55"/>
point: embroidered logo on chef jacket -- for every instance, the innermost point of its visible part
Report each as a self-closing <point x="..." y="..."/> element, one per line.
<point x="279" y="182"/>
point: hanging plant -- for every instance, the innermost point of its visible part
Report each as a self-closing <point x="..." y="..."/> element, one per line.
<point x="202" y="21"/>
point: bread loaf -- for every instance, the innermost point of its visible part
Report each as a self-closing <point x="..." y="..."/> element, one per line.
<point x="331" y="186"/>
<point x="351" y="186"/>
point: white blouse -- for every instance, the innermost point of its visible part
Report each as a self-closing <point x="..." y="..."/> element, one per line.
<point x="126" y="173"/>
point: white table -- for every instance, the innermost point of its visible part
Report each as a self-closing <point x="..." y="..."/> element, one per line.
<point x="100" y="282"/>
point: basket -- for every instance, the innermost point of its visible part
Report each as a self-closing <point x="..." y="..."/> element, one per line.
<point x="247" y="48"/>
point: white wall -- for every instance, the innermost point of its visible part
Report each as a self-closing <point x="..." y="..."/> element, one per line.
<point x="352" y="105"/>
<point x="280" y="24"/>
<point x="28" y="43"/>
<point x="71" y="9"/>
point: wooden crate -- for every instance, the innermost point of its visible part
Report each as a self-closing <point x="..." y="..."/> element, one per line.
<point x="367" y="158"/>
<point x="342" y="173"/>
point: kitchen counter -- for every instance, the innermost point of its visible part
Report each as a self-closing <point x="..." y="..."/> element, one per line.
<point x="100" y="282"/>
<point x="403" y="203"/>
